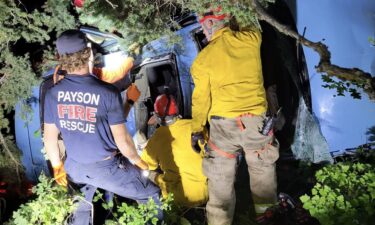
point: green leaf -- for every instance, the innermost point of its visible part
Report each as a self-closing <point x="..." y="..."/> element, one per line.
<point x="304" y="198"/>
<point x="37" y="133"/>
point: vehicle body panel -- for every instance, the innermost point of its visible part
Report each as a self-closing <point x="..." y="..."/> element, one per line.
<point x="28" y="138"/>
<point x="345" y="26"/>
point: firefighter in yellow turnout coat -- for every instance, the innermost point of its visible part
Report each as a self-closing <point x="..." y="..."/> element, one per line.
<point x="169" y="148"/>
<point x="229" y="93"/>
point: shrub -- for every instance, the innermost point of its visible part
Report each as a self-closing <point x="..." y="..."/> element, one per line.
<point x="344" y="194"/>
<point x="140" y="214"/>
<point x="52" y="205"/>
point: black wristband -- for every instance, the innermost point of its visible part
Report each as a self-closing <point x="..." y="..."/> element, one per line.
<point x="131" y="102"/>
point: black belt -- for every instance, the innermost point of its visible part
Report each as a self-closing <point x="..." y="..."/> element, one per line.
<point x="217" y="118"/>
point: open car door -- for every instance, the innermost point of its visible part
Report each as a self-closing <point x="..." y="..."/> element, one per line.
<point x="153" y="77"/>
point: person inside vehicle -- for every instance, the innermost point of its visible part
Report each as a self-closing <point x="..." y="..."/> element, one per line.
<point x="169" y="150"/>
<point x="229" y="93"/>
<point x="90" y="115"/>
<point x="109" y="75"/>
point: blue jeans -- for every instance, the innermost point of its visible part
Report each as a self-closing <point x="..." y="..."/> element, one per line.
<point x="115" y="175"/>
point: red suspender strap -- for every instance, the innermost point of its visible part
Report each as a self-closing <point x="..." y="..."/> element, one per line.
<point x="221" y="152"/>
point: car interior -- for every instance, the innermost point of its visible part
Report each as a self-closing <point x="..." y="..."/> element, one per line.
<point x="157" y="76"/>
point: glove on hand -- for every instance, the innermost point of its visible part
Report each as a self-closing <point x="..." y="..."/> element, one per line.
<point x="60" y="175"/>
<point x="195" y="137"/>
<point x="133" y="93"/>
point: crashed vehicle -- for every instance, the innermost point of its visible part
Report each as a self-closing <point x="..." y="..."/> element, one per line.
<point x="164" y="68"/>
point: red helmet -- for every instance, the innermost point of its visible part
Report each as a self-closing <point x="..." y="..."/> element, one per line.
<point x="166" y="109"/>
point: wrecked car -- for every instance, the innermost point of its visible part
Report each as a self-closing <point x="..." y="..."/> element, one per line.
<point x="164" y="68"/>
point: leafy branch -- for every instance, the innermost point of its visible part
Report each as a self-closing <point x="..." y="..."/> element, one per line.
<point x="143" y="21"/>
<point x="51" y="205"/>
<point x="344" y="194"/>
<point x="19" y="72"/>
<point x="356" y="76"/>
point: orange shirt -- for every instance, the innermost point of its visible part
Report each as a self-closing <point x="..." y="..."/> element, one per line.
<point x="107" y="75"/>
<point x="114" y="75"/>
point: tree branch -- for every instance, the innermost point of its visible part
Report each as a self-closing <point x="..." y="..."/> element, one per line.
<point x="2" y="78"/>
<point x="111" y="4"/>
<point x="7" y="150"/>
<point x="353" y="75"/>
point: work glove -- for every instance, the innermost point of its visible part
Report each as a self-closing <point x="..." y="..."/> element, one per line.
<point x="195" y="139"/>
<point x="132" y="94"/>
<point x="60" y="175"/>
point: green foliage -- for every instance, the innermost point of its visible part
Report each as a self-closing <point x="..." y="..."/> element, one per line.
<point x="344" y="194"/>
<point x="134" y="214"/>
<point x="17" y="73"/>
<point x="56" y="16"/>
<point x="371" y="40"/>
<point x="52" y="205"/>
<point x="371" y="133"/>
<point x="342" y="86"/>
<point x="140" y="214"/>
<point x="8" y="168"/>
<point x="245" y="15"/>
<point x="145" y="20"/>
<point x="365" y="155"/>
<point x="16" y="81"/>
<point x="35" y="26"/>
<point x="137" y="21"/>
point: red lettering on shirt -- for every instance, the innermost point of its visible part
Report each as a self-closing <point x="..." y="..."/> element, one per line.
<point x="71" y="112"/>
<point x="62" y="110"/>
<point x="91" y="114"/>
<point x="77" y="112"/>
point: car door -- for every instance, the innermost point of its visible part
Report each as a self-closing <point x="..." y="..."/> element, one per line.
<point x="153" y="77"/>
